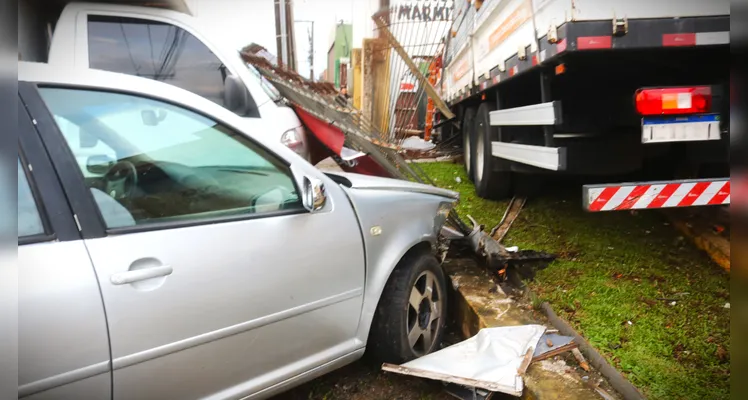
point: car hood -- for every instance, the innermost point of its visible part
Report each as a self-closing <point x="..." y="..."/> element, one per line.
<point x="367" y="182"/>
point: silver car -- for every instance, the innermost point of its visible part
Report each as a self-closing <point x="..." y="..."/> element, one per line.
<point x="168" y="250"/>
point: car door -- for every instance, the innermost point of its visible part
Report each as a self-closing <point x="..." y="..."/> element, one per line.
<point x="63" y="347"/>
<point x="216" y="281"/>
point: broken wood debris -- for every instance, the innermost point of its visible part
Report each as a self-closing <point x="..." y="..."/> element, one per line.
<point x="580" y="359"/>
<point x="552" y="344"/>
<point x="525" y="362"/>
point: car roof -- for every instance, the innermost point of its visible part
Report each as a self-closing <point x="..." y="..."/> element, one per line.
<point x="54" y="75"/>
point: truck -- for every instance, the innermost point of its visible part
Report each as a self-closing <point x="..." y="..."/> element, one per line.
<point x="605" y="88"/>
<point x="159" y="40"/>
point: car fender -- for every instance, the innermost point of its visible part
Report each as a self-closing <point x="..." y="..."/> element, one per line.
<point x="392" y="223"/>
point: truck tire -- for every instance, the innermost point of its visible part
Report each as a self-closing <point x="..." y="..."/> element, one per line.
<point x="401" y="330"/>
<point x="492" y="176"/>
<point x="468" y="153"/>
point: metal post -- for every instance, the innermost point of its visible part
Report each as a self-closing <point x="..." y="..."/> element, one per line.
<point x="283" y="29"/>
<point x="311" y="52"/>
<point x="311" y="47"/>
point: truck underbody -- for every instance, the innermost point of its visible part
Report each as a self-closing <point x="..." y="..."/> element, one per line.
<point x="570" y="107"/>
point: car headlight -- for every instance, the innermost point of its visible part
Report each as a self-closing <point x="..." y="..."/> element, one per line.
<point x="294" y="139"/>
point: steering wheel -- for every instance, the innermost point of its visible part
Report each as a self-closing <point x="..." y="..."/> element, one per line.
<point x="121" y="180"/>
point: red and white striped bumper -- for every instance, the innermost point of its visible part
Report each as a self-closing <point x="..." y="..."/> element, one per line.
<point x="648" y="195"/>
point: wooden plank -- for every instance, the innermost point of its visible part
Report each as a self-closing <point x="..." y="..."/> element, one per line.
<point x="430" y="91"/>
<point x="556" y="351"/>
<point x="356" y="62"/>
<point x="526" y="361"/>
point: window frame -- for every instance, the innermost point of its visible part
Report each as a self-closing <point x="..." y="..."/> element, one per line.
<point x="51" y="203"/>
<point x="84" y="206"/>
<point x="86" y="18"/>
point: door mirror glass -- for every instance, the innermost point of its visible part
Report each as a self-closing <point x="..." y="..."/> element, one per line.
<point x="99" y="164"/>
<point x="313" y="194"/>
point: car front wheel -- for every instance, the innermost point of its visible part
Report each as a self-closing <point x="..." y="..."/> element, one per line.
<point x="409" y="321"/>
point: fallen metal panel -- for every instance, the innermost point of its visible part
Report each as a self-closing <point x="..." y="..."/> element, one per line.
<point x="494" y="360"/>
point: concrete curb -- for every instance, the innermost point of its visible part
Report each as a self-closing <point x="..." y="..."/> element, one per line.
<point x="615" y="378"/>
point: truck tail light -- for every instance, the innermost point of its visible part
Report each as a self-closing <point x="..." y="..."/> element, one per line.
<point x="668" y="101"/>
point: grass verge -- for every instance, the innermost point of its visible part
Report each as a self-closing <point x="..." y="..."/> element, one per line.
<point x="648" y="300"/>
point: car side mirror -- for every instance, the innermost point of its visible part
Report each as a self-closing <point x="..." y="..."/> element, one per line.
<point x="236" y="97"/>
<point x="99" y="164"/>
<point x="313" y="195"/>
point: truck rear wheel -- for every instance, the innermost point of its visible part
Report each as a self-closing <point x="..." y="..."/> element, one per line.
<point x="467" y="141"/>
<point x="492" y="176"/>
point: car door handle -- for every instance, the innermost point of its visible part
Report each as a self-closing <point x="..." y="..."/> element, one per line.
<point x="123" y="278"/>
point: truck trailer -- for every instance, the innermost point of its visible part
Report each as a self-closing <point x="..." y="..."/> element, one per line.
<point x="593" y="87"/>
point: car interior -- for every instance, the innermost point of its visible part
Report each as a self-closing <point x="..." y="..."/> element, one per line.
<point x="152" y="185"/>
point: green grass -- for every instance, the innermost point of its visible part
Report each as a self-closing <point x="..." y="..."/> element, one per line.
<point x="615" y="280"/>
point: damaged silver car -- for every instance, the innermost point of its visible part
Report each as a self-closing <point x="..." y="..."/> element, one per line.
<point x="169" y="250"/>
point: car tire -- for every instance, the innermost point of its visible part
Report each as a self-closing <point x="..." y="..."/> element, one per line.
<point x="492" y="176"/>
<point x="468" y="154"/>
<point x="401" y="332"/>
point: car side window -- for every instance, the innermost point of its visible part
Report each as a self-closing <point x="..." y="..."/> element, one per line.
<point x="158" y="51"/>
<point x="86" y="149"/>
<point x="29" y="218"/>
<point x="168" y="163"/>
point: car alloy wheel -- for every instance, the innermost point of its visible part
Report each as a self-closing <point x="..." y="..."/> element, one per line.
<point x="424" y="313"/>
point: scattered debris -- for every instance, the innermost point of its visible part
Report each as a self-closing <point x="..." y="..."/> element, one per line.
<point x="605" y="395"/>
<point x="416" y="143"/>
<point x="512" y="249"/>
<point x="494" y="359"/>
<point x="526" y="360"/>
<point x="467" y="393"/>
<point x="581" y="360"/>
<point x="727" y="305"/>
<point x="552" y="344"/>
<point x="458" y="179"/>
<point x="512" y="212"/>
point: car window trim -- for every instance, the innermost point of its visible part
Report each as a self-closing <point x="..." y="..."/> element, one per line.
<point x="87" y="210"/>
<point x="51" y="203"/>
<point x="90" y="223"/>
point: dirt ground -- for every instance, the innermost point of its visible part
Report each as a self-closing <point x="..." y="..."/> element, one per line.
<point x="363" y="381"/>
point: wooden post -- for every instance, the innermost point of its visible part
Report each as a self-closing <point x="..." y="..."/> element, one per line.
<point x="357" y="78"/>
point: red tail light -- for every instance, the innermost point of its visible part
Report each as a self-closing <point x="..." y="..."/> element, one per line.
<point x="668" y="101"/>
